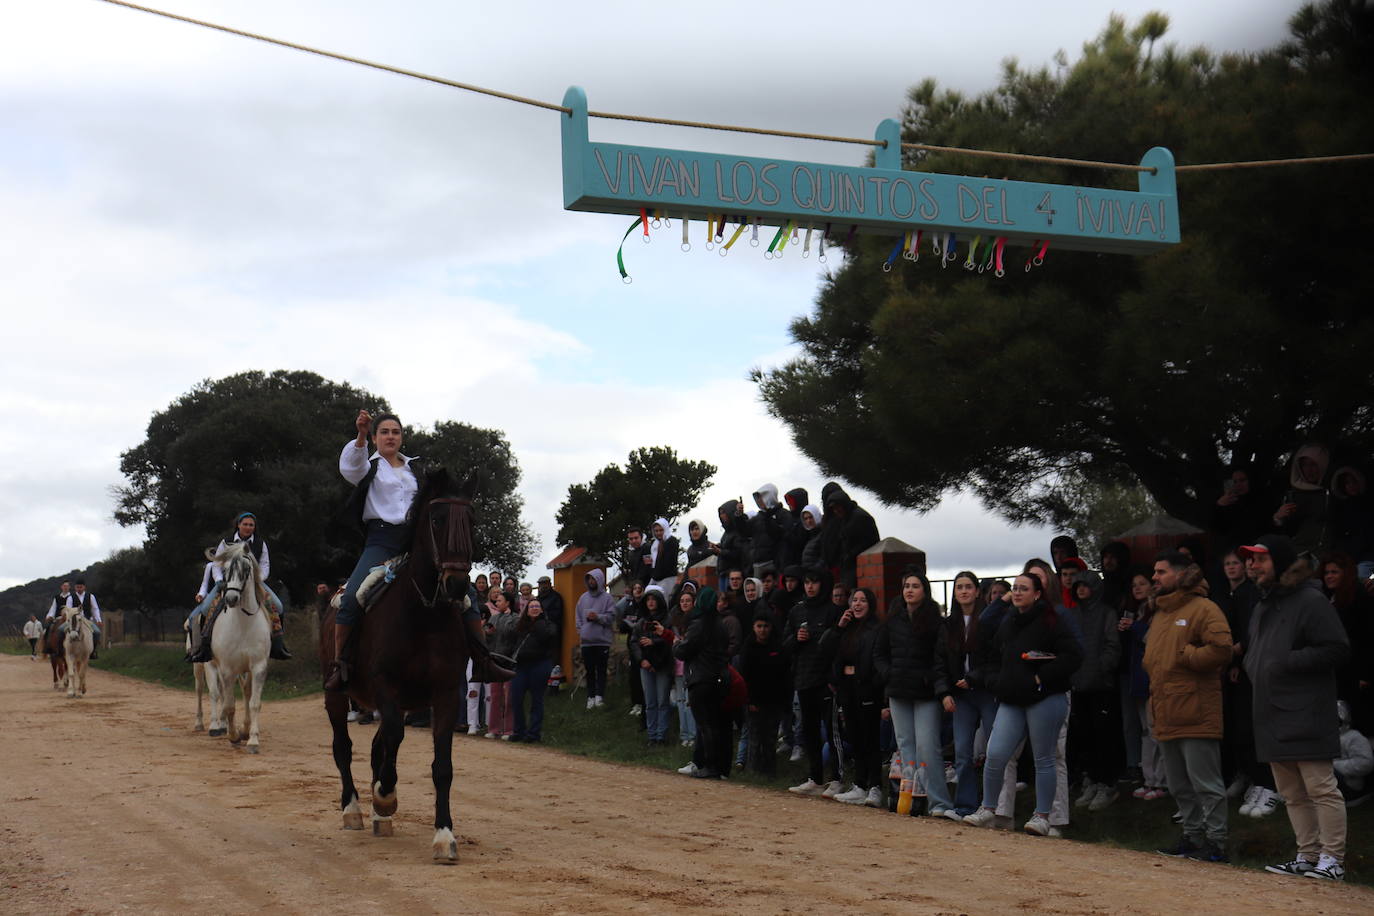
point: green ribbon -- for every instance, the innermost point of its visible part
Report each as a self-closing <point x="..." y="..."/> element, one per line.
<point x="620" y="252"/>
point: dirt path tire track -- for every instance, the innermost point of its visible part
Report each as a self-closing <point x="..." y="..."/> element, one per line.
<point x="112" y="804"/>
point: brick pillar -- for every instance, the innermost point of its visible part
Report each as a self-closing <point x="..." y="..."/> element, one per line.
<point x="880" y="568"/>
<point x="704" y="573"/>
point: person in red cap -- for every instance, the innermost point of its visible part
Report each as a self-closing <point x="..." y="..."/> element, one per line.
<point x="1296" y="645"/>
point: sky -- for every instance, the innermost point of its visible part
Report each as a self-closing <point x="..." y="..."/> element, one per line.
<point x="178" y="204"/>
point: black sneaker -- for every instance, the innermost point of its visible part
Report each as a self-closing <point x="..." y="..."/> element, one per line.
<point x="1209" y="852"/>
<point x="1297" y="868"/>
<point x="1180" y="850"/>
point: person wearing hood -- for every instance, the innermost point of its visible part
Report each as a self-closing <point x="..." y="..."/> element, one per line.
<point x="707" y="675"/>
<point x="768" y="530"/>
<point x="846" y="531"/>
<point x="795" y="537"/>
<point x="1115" y="563"/>
<point x="699" y="546"/>
<point x="663" y="552"/>
<point x="1187" y="647"/>
<point x="1356" y="760"/>
<point x="807" y="624"/>
<point x="1352" y="518"/>
<point x="809" y="544"/>
<point x="767" y="671"/>
<point x="1296" y="647"/>
<point x="651" y="652"/>
<point x="1095" y="737"/>
<point x="595" y="628"/>
<point x="1240" y="513"/>
<point x="1061" y="548"/>
<point x="734" y="550"/>
<point x="1304" y="514"/>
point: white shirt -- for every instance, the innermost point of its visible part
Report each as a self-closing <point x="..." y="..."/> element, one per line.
<point x="59" y="601"/>
<point x="32" y="629"/>
<point x="392" y="490"/>
<point x="214" y="571"/>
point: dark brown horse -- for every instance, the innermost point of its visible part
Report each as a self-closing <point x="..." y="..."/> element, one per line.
<point x="56" y="653"/>
<point x="411" y="654"/>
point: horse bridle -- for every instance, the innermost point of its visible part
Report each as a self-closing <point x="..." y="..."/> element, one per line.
<point x="234" y="568"/>
<point x="457" y="540"/>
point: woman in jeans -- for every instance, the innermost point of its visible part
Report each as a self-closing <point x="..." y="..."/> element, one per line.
<point x="972" y="706"/>
<point x="536" y="642"/>
<point x="651" y="652"/>
<point x="686" y="724"/>
<point x="905" y="657"/>
<point x="1030" y="670"/>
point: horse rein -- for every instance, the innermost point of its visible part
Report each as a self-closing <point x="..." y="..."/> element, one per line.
<point x="457" y="540"/>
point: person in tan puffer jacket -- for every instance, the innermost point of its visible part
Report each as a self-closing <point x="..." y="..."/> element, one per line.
<point x="1187" y="648"/>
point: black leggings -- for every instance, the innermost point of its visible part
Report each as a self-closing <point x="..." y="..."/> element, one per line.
<point x="714" y="727"/>
<point x="594" y="659"/>
<point x="863" y="727"/>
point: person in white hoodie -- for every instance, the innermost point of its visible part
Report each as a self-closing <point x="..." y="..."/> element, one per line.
<point x="663" y="551"/>
<point x="595" y="628"/>
<point x="1355" y="763"/>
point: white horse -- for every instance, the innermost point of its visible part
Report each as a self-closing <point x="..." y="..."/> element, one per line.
<point x="77" y="645"/>
<point x="240" y="642"/>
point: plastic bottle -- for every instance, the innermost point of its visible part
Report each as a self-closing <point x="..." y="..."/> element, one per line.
<point x="907" y="786"/>
<point x="920" y="801"/>
<point x="894" y="781"/>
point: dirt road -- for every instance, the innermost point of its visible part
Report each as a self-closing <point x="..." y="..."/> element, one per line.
<point x="112" y="804"/>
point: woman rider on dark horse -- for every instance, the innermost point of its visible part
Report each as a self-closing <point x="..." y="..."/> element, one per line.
<point x="246" y="532"/>
<point x="384" y="487"/>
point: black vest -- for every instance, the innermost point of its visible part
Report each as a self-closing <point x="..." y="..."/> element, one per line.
<point x="254" y="543"/>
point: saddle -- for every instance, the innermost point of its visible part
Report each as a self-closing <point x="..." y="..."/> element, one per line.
<point x="375" y="585"/>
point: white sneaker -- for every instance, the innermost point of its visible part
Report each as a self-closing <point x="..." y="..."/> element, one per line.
<point x="834" y="788"/>
<point x="855" y="796"/>
<point x="797" y="754"/>
<point x="689" y="770"/>
<point x="1328" y="868"/>
<point x="591" y="702"/>
<point x="490" y="735"/>
<point x="600" y="701"/>
<point x="1248" y="804"/>
<point x="809" y="787"/>
<point x="1090" y="790"/>
<point x="353" y="715"/>
<point x="954" y="815"/>
<point x="983" y="817"/>
<point x="1266" y="804"/>
<point x="1038" y="825"/>
<point x="474" y="730"/>
<point x="636" y="710"/>
<point x="875" y="798"/>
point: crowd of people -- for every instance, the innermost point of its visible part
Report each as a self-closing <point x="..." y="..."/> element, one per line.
<point x="1245" y="677"/>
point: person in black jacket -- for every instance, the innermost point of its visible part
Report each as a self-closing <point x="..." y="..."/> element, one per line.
<point x="641" y="564"/>
<point x="767" y="672"/>
<point x="973" y="707"/>
<point x="796" y="536"/>
<point x="734" y="550"/>
<point x="650" y="647"/>
<point x="807" y="624"/>
<point x="699" y="546"/>
<point x="846" y="531"/>
<point x="663" y="551"/>
<point x="1031" y="672"/>
<point x="860" y="693"/>
<point x="536" y="643"/>
<point x="909" y="659"/>
<point x="707" y="677"/>
<point x="768" y="530"/>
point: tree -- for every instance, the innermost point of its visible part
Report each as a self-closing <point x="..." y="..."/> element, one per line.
<point x="654" y="483"/>
<point x="268" y="443"/>
<point x="1096" y="511"/>
<point x="1251" y="333"/>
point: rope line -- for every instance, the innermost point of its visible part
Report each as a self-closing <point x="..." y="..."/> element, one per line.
<point x="706" y="125"/>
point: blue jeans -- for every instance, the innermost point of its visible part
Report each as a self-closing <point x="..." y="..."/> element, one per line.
<point x="531" y="678"/>
<point x="383" y="542"/>
<point x="972" y="707"/>
<point x="657" y="685"/>
<point x="743" y="750"/>
<point x="686" y="723"/>
<point x="917" y="726"/>
<point x="1043" y="721"/>
<point x="205" y="605"/>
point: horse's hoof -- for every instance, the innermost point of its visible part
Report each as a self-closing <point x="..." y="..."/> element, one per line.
<point x="198" y="728"/>
<point x="445" y="847"/>
<point x="218" y="732"/>
<point x="382" y="804"/>
<point x="353" y="820"/>
<point x="236" y="740"/>
<point x="381" y="826"/>
<point x="252" y="748"/>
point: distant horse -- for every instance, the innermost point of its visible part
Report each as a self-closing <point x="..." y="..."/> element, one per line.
<point x="77" y="643"/>
<point x="239" y="643"/>
<point x="411" y="654"/>
<point x="53" y="649"/>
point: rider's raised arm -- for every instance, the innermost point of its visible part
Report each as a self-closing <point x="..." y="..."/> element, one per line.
<point x="353" y="462"/>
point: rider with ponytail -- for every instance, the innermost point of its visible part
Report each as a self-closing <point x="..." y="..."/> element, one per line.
<point x="384" y="487"/>
<point x="245" y="531"/>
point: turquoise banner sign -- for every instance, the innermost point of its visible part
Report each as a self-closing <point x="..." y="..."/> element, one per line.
<point x="884" y="200"/>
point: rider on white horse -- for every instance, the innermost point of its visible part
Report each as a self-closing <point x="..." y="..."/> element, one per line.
<point x="245" y="531"/>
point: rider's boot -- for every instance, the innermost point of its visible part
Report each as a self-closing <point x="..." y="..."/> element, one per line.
<point x="487" y="667"/>
<point x="337" y="679"/>
<point x="279" y="650"/>
<point x="203" y="650"/>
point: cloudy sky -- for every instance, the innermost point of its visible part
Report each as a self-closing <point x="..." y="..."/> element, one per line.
<point x="178" y="204"/>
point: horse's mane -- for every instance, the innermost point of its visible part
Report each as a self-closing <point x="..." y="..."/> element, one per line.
<point x="438" y="483"/>
<point x="232" y="553"/>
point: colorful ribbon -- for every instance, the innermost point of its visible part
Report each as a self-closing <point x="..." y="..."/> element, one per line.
<point x="620" y="252"/>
